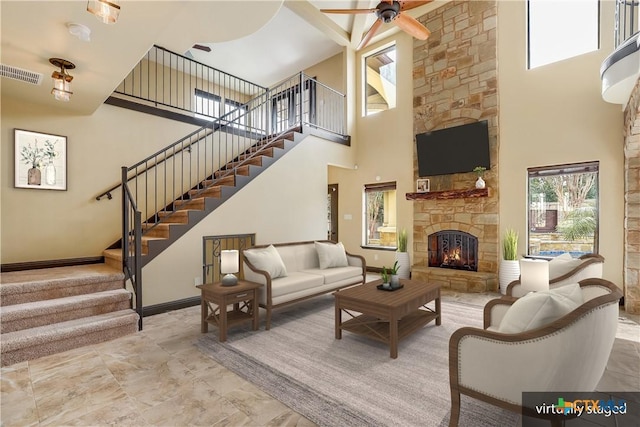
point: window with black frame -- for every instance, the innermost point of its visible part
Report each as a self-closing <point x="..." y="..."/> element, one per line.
<point x="563" y="209"/>
<point x="207" y="105"/>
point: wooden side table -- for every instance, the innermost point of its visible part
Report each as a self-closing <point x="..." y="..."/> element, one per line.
<point x="243" y="296"/>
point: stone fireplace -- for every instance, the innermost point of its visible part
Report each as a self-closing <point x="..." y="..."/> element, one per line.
<point x="453" y="249"/>
<point x="455" y="82"/>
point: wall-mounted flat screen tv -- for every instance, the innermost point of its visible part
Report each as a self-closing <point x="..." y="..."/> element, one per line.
<point x="453" y="150"/>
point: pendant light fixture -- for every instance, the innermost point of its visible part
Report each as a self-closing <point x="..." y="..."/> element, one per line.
<point x="106" y="11"/>
<point x="61" y="79"/>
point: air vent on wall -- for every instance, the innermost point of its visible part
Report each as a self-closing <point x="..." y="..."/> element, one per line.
<point x="16" y="73"/>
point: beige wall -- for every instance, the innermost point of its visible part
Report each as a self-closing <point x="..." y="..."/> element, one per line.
<point x="385" y="150"/>
<point x="44" y="224"/>
<point x="329" y="72"/>
<point x="554" y="115"/>
<point x="287" y="202"/>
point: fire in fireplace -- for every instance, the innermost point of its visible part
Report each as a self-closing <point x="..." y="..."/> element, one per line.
<point x="453" y="249"/>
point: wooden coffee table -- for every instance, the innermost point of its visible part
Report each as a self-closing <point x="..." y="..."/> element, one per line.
<point x="387" y="316"/>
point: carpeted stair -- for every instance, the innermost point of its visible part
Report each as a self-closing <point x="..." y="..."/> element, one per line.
<point x="51" y="310"/>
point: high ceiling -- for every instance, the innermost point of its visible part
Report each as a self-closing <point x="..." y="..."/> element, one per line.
<point x="261" y="41"/>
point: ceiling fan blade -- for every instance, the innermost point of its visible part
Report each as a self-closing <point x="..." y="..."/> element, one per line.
<point x="372" y="31"/>
<point x="412" y="4"/>
<point x="347" y="11"/>
<point x="202" y="47"/>
<point x="412" y="26"/>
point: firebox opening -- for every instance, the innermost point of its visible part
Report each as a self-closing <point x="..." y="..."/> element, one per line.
<point x="453" y="249"/>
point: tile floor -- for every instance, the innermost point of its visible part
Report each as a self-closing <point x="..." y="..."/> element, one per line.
<point x="158" y="377"/>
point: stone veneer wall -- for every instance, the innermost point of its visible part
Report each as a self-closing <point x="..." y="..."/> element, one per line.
<point x="631" y="262"/>
<point x="454" y="83"/>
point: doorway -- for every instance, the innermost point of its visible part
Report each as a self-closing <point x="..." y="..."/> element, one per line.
<point x="332" y="212"/>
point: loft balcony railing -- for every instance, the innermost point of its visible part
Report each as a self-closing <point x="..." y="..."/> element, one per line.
<point x="239" y="117"/>
<point x="168" y="80"/>
<point x="626" y="21"/>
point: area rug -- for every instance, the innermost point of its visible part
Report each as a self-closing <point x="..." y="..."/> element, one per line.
<point x="353" y="381"/>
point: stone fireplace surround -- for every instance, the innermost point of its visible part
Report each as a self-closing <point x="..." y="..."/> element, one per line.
<point x="454" y="83"/>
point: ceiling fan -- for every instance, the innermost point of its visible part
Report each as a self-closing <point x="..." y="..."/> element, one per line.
<point x="388" y="11"/>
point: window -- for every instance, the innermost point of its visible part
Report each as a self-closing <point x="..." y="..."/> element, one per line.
<point x="380" y="81"/>
<point x="207" y="105"/>
<point x="563" y="210"/>
<point x="380" y="216"/>
<point x="235" y="114"/>
<point x="561" y="29"/>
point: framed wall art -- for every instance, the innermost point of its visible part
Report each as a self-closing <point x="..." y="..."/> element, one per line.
<point x="40" y="160"/>
<point x="422" y="185"/>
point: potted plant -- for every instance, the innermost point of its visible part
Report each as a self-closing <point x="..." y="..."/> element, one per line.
<point x="479" y="170"/>
<point x="391" y="275"/>
<point x="402" y="256"/>
<point x="385" y="277"/>
<point x="509" y="265"/>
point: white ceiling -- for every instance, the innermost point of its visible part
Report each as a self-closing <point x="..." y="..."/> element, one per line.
<point x="261" y="41"/>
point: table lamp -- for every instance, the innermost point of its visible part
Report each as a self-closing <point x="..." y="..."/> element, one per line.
<point x="228" y="266"/>
<point x="534" y="275"/>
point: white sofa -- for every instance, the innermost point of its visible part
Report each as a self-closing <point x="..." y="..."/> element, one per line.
<point x="564" y="270"/>
<point x="525" y="346"/>
<point x="292" y="272"/>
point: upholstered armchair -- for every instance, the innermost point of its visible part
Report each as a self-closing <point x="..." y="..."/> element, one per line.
<point x="567" y="354"/>
<point x="563" y="271"/>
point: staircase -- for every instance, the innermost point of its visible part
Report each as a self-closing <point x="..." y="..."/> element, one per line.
<point x="167" y="225"/>
<point x="52" y="310"/>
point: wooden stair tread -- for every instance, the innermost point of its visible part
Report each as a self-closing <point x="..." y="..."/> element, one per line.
<point x="159" y="226"/>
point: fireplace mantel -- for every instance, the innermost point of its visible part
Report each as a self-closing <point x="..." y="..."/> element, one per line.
<point x="449" y="194"/>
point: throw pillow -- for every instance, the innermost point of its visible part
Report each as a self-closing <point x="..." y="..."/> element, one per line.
<point x="331" y="255"/>
<point x="562" y="264"/>
<point x="267" y="259"/>
<point x="537" y="309"/>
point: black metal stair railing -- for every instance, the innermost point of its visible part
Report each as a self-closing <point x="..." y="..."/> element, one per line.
<point x="132" y="246"/>
<point x="241" y="117"/>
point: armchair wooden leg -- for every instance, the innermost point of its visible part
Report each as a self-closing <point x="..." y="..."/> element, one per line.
<point x="268" y="326"/>
<point x="455" y="409"/>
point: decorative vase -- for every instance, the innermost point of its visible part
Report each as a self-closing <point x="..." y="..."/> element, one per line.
<point x="34" y="176"/>
<point x="395" y="281"/>
<point x="404" y="265"/>
<point x="509" y="271"/>
<point x="480" y="183"/>
<point x="50" y="174"/>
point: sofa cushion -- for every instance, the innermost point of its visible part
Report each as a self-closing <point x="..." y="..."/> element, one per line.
<point x="267" y="259"/>
<point x="299" y="256"/>
<point x="537" y="309"/>
<point x="295" y="281"/>
<point x="331" y="255"/>
<point x="562" y="264"/>
<point x="336" y="274"/>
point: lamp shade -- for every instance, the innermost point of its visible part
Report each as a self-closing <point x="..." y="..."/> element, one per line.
<point x="534" y="275"/>
<point x="229" y="262"/>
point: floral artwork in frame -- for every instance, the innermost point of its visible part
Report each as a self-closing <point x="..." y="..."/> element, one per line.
<point x="40" y="160"/>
